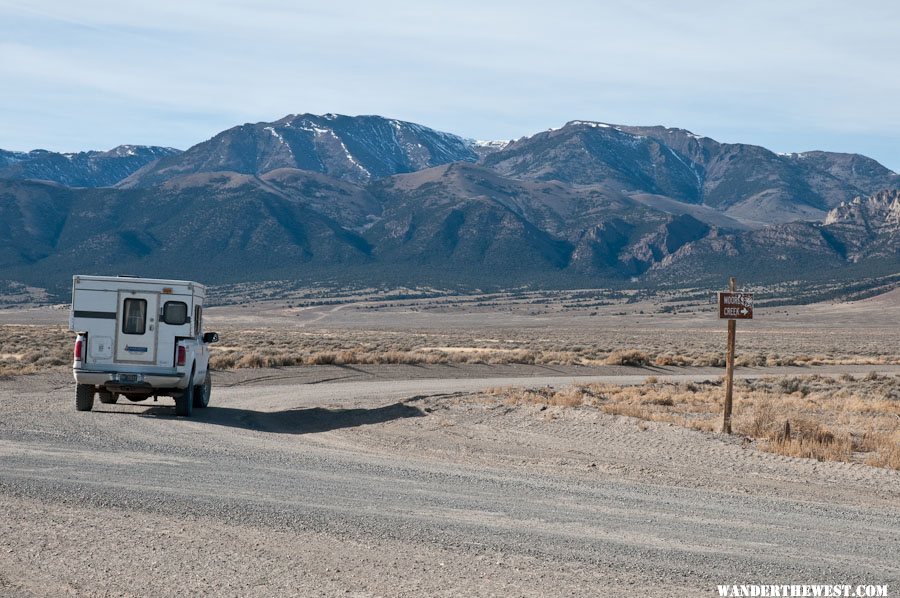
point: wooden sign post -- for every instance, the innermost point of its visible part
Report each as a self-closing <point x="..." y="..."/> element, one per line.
<point x="733" y="306"/>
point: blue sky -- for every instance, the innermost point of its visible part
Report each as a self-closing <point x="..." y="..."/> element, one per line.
<point x="791" y="76"/>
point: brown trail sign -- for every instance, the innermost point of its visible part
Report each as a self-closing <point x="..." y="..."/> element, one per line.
<point x="733" y="306"/>
<point x="736" y="306"/>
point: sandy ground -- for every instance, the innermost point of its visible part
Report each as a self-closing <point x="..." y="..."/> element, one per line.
<point x="392" y="481"/>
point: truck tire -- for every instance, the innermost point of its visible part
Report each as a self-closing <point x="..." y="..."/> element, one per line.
<point x="184" y="402"/>
<point x="84" y="397"/>
<point x="202" y="392"/>
<point x="107" y="398"/>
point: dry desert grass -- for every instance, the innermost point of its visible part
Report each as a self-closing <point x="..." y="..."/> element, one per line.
<point x="819" y="417"/>
<point x="28" y="349"/>
<point x="557" y="343"/>
<point x="274" y="347"/>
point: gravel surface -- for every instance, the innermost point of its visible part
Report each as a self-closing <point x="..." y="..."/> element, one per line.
<point x="392" y="481"/>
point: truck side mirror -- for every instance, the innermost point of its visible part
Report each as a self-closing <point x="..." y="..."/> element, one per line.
<point x="211" y="337"/>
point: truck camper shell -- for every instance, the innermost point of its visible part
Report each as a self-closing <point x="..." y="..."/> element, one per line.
<point x="139" y="337"/>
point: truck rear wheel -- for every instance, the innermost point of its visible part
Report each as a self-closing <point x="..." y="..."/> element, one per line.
<point x="184" y="402"/>
<point x="84" y="397"/>
<point x="202" y="392"/>
<point x="107" y="398"/>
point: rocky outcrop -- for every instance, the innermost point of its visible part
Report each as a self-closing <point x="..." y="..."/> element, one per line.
<point x="868" y="226"/>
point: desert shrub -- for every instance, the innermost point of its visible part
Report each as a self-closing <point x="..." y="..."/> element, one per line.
<point x="251" y="360"/>
<point x="867" y="442"/>
<point x="275" y="360"/>
<point x="710" y="360"/>
<point x="347" y="357"/>
<point x="823" y="448"/>
<point x="792" y="385"/>
<point x="810" y="430"/>
<point x="669" y="359"/>
<point x="631" y="357"/>
<point x="662" y="401"/>
<point x="750" y="360"/>
<point x="763" y="421"/>
<point x="556" y="358"/>
<point x="322" y="358"/>
<point x="402" y="357"/>
<point x="773" y="359"/>
<point x="627" y="409"/>
<point x="223" y="361"/>
<point x="688" y="387"/>
<point x="886" y="451"/>
<point x="569" y="397"/>
<point x="31" y="356"/>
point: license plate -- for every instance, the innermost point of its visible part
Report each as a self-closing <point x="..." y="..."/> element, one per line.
<point x="128" y="378"/>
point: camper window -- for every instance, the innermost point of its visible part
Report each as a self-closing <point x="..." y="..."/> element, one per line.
<point x="175" y="313"/>
<point x="135" y="320"/>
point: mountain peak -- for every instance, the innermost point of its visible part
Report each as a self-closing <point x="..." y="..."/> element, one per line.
<point x="351" y="148"/>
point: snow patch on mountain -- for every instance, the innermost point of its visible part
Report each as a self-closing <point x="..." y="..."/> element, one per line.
<point x="490" y="144"/>
<point x="595" y="125"/>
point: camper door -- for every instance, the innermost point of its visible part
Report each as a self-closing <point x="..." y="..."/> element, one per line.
<point x="136" y="326"/>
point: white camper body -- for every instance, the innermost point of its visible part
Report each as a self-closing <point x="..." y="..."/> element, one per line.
<point x="140" y="337"/>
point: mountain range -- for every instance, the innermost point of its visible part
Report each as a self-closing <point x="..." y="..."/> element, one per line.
<point x="374" y="200"/>
<point x="80" y="169"/>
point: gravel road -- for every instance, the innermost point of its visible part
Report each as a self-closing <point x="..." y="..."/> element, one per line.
<point x="391" y="482"/>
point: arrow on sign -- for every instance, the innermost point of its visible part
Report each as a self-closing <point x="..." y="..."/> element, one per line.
<point x="744" y="311"/>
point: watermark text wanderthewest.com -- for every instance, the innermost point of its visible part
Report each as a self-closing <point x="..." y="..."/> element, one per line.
<point x="792" y="590"/>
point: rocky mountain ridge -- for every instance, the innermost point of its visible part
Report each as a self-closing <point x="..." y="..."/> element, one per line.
<point x="353" y="149"/>
<point x="369" y="199"/>
<point x="745" y="182"/>
<point x="80" y="169"/>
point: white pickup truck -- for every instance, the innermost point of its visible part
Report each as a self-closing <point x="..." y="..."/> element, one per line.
<point x="140" y="337"/>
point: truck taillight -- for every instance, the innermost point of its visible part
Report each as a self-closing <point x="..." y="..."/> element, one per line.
<point x="78" y="349"/>
<point x="182" y="356"/>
